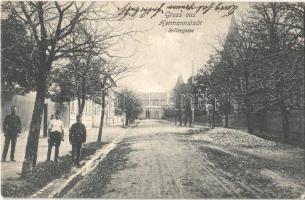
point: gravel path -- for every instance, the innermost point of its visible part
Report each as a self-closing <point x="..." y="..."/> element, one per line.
<point x="158" y="160"/>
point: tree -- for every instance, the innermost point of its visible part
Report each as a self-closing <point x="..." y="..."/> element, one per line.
<point x="182" y="100"/>
<point x="77" y="80"/>
<point x="220" y="86"/>
<point x="214" y="81"/>
<point x="237" y="58"/>
<point x="169" y="112"/>
<point x="112" y="73"/>
<point x="130" y="104"/>
<point x="276" y="38"/>
<point x="265" y="45"/>
<point x="261" y="62"/>
<point x="88" y="81"/>
<point x="16" y="50"/>
<point x="96" y="70"/>
<point x="49" y="24"/>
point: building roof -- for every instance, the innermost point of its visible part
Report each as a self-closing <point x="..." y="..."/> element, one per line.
<point x="232" y="32"/>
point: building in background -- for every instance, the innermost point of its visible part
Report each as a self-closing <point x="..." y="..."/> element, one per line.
<point x="25" y="106"/>
<point x="153" y="104"/>
<point x="92" y="112"/>
<point x="67" y="110"/>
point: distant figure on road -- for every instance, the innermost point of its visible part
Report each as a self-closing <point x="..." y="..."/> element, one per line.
<point x="55" y="136"/>
<point x="77" y="136"/>
<point x="12" y="130"/>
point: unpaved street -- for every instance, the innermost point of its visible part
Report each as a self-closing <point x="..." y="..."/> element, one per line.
<point x="159" y="160"/>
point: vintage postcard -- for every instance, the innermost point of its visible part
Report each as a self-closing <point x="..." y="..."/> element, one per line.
<point x="152" y="99"/>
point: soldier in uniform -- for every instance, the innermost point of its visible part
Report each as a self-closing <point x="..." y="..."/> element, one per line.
<point x="11" y="129"/>
<point x="77" y="136"/>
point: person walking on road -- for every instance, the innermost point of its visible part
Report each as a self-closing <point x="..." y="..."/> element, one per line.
<point x="55" y="136"/>
<point x="12" y="130"/>
<point x="77" y="136"/>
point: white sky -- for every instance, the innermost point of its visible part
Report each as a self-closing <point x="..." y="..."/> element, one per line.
<point x="162" y="56"/>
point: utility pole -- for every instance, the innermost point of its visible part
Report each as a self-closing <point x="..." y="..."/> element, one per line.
<point x="181" y="106"/>
<point x="206" y="105"/>
<point x="193" y="109"/>
<point x="213" y="114"/>
<point x="100" y="132"/>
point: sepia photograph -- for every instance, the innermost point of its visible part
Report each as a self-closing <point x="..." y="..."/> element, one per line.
<point x="152" y="99"/>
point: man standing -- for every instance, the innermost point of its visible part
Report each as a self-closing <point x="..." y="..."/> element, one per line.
<point x="11" y="129"/>
<point x="77" y="136"/>
<point x="55" y="136"/>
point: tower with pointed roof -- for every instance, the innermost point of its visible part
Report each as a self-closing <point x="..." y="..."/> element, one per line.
<point x="179" y="81"/>
<point x="231" y="33"/>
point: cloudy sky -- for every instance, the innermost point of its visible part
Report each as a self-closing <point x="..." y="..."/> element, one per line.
<point x="161" y="56"/>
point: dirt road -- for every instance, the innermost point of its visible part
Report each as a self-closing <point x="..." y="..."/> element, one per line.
<point x="159" y="160"/>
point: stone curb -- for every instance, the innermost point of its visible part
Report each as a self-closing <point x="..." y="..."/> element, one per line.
<point x="61" y="186"/>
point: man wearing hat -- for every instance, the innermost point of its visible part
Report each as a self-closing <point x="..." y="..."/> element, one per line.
<point x="77" y="136"/>
<point x="11" y="129"/>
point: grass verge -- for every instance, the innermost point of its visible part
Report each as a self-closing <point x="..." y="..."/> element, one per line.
<point x="44" y="173"/>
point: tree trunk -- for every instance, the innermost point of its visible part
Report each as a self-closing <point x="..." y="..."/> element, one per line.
<point x="248" y="115"/>
<point x="247" y="104"/>
<point x="213" y="117"/>
<point x="175" y="117"/>
<point x="83" y="97"/>
<point x="100" y="131"/>
<point x="180" y="117"/>
<point x="303" y="87"/>
<point x="285" y="122"/>
<point x="248" y="112"/>
<point x="248" y="120"/>
<point x="262" y="119"/>
<point x="284" y="111"/>
<point x="226" y="120"/>
<point x="81" y="105"/>
<point x="33" y="138"/>
<point x="45" y="120"/>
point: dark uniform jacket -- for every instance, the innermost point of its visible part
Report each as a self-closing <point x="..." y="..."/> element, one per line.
<point x="77" y="133"/>
<point x="12" y="125"/>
